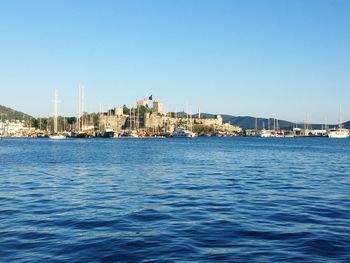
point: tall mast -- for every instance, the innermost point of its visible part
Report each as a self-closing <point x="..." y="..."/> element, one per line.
<point x="340" y="118"/>
<point x="79" y="108"/>
<point x="175" y="118"/>
<point x="47" y="123"/>
<point x="138" y="117"/>
<point x="187" y="116"/>
<point x="55" y="101"/>
<point x="256" y="123"/>
<point x="191" y="118"/>
<point x="100" y="117"/>
<point x="82" y="107"/>
<point x="109" y="115"/>
<point x="134" y="119"/>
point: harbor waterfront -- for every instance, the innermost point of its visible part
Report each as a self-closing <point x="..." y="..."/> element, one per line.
<point x="236" y="199"/>
<point x="147" y="119"/>
<point x="144" y="121"/>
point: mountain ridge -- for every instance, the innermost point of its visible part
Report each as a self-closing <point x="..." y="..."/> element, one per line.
<point x="248" y="122"/>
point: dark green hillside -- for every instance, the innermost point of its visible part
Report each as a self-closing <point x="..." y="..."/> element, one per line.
<point x="10" y="114"/>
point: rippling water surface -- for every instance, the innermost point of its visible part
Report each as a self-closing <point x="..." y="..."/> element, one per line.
<point x="175" y="200"/>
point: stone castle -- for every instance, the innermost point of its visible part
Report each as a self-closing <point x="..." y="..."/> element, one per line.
<point x="154" y="119"/>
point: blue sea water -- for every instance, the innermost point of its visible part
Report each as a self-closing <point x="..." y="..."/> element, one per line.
<point x="175" y="200"/>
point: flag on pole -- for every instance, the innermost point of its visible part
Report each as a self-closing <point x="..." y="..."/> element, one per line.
<point x="150" y="97"/>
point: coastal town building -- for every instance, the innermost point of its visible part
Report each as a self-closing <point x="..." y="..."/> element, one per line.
<point x="15" y="128"/>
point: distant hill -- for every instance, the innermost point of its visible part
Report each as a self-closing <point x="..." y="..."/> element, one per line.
<point x="10" y="114"/>
<point x="248" y="122"/>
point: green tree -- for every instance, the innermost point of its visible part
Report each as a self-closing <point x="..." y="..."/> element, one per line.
<point x="126" y="110"/>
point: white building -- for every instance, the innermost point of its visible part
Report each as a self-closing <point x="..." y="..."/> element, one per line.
<point x="15" y="128"/>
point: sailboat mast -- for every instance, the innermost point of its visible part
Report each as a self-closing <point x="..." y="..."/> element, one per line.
<point x="340" y="118"/>
<point x="79" y="108"/>
<point x="55" y="101"/>
<point x="138" y="118"/>
<point x="190" y="108"/>
<point x="187" y="116"/>
<point x="256" y="123"/>
<point x="175" y="118"/>
<point x="82" y="107"/>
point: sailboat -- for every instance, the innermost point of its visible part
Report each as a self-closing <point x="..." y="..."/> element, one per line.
<point x="339" y="132"/>
<point x="56" y="135"/>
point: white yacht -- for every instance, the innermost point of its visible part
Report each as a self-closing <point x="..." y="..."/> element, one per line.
<point x="279" y="134"/>
<point x="130" y="134"/>
<point x="57" y="137"/>
<point x="108" y="133"/>
<point x="266" y="133"/>
<point x="180" y="133"/>
<point x="338" y="133"/>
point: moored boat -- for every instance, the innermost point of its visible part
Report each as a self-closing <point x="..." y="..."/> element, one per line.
<point x="130" y="134"/>
<point x="338" y="133"/>
<point x="108" y="133"/>
<point x="57" y="137"/>
<point x="267" y="133"/>
<point x="181" y="133"/>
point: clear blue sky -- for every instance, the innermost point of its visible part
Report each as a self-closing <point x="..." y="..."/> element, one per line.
<point x="281" y="58"/>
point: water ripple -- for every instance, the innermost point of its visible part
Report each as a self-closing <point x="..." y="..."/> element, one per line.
<point x="201" y="200"/>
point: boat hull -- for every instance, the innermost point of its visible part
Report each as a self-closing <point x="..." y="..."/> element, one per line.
<point x="57" y="137"/>
<point x="338" y="134"/>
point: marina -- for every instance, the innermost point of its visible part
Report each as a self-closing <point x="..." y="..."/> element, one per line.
<point x="144" y="121"/>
